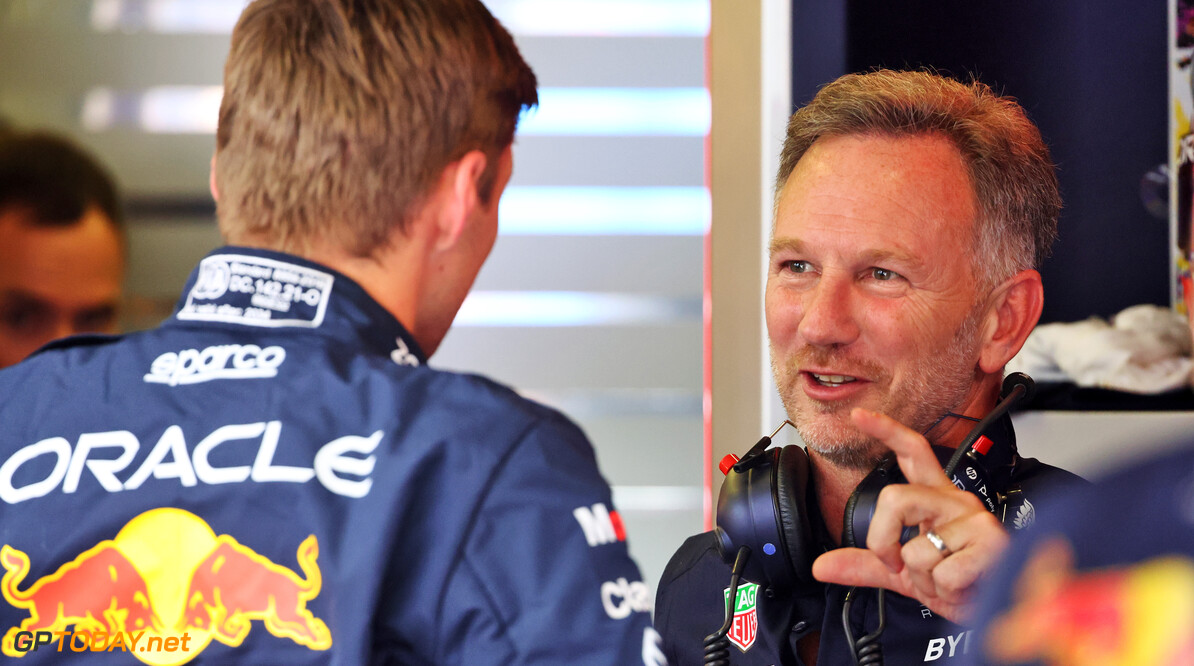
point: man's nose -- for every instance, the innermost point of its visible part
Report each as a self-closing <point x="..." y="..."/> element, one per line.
<point x="829" y="314"/>
<point x="63" y="326"/>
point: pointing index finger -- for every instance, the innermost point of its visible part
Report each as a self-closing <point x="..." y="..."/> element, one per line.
<point x="913" y="453"/>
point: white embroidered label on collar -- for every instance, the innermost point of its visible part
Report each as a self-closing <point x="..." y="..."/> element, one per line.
<point x="256" y="291"/>
<point x="402" y="355"/>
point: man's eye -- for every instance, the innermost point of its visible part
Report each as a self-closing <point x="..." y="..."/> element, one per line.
<point x="23" y="320"/>
<point x="797" y="266"/>
<point x="883" y="275"/>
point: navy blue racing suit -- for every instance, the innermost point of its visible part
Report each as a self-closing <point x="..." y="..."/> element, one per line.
<point x="274" y="475"/>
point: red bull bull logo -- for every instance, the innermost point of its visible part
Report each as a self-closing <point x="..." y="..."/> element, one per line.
<point x="162" y="590"/>
<point x="235" y="585"/>
<point x="99" y="592"/>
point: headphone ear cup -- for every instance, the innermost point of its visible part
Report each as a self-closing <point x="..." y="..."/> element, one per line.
<point x="848" y="519"/>
<point x="791" y="494"/>
<point x="860" y="508"/>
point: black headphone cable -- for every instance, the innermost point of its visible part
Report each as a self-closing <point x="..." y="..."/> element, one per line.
<point x="717" y="645"/>
<point x="867" y="651"/>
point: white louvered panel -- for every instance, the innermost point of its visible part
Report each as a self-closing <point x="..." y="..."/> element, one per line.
<point x="586" y="357"/>
<point x="662" y="265"/>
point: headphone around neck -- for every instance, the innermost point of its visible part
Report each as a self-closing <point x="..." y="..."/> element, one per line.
<point x="763" y="504"/>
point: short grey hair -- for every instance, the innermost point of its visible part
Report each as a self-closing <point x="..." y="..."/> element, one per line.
<point x="1013" y="176"/>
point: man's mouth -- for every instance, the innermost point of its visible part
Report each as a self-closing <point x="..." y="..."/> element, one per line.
<point x="832" y="380"/>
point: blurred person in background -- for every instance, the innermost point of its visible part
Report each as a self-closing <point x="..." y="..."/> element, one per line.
<point x="1106" y="579"/>
<point x="62" y="244"/>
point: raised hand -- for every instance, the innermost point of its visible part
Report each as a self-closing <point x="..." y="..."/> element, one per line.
<point x="959" y="539"/>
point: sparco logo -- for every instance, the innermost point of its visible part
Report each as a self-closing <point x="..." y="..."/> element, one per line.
<point x="191" y="366"/>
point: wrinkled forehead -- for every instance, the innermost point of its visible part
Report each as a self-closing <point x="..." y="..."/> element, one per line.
<point x="907" y="186"/>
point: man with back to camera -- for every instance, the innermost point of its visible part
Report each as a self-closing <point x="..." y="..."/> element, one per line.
<point x="62" y="244"/>
<point x="911" y="213"/>
<point x="274" y="474"/>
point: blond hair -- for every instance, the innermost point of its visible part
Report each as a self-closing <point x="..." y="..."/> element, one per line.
<point x="338" y="115"/>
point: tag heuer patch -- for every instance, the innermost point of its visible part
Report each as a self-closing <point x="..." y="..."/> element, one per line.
<point x="745" y="628"/>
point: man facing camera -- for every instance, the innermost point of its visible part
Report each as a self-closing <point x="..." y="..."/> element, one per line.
<point x="912" y="212"/>
<point x="275" y="475"/>
<point x="62" y="244"/>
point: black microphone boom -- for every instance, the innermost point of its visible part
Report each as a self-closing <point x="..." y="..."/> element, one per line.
<point x="1016" y="387"/>
<point x="717" y="645"/>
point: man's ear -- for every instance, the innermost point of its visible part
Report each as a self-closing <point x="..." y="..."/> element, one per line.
<point x="211" y="180"/>
<point x="458" y="197"/>
<point x="1014" y="310"/>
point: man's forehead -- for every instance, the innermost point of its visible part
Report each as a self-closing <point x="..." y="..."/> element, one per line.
<point x="81" y="263"/>
<point x="93" y="237"/>
<point x="895" y="155"/>
<point x="918" y="182"/>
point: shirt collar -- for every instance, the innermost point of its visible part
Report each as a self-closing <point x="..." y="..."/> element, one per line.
<point x="240" y="287"/>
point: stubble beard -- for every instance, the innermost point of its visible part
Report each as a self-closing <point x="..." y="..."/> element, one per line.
<point x="936" y="384"/>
